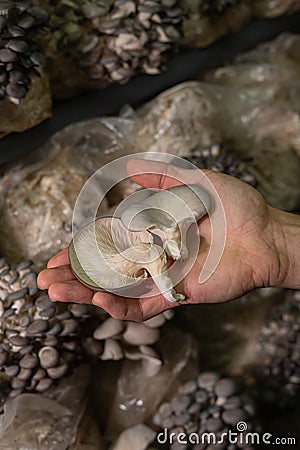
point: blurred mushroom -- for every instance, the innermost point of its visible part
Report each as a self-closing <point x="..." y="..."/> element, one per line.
<point x="140" y="334"/>
<point x="111" y="327"/>
<point x="137" y="437"/>
<point x="112" y="350"/>
<point x="151" y="363"/>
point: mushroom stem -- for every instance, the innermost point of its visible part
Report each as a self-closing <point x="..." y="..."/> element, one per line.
<point x="169" y="214"/>
<point x="174" y="242"/>
<point x="172" y="249"/>
<point x="157" y="268"/>
<point x="165" y="286"/>
<point x="109" y="256"/>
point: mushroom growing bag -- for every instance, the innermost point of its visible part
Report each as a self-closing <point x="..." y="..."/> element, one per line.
<point x="35" y="422"/>
<point x="37" y="198"/>
<point x="250" y="107"/>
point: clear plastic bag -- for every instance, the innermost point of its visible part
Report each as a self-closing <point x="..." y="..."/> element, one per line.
<point x="37" y="200"/>
<point x="128" y="397"/>
<point x="35" y="422"/>
<point x="31" y="421"/>
<point x="252" y="106"/>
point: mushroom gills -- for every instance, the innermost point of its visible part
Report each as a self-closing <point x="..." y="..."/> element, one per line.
<point x="169" y="214"/>
<point x="104" y="255"/>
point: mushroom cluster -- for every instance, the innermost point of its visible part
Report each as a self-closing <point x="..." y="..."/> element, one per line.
<point x="113" y="40"/>
<point x="279" y="344"/>
<point x="112" y="253"/>
<point x="209" y="404"/>
<point x="115" y="339"/>
<point x="20" y="54"/>
<point x="219" y="158"/>
<point x="41" y="341"/>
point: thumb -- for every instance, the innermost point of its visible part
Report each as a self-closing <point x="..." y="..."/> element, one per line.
<point x="159" y="175"/>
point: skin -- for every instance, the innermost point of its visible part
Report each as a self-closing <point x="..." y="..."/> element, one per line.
<point x="262" y="249"/>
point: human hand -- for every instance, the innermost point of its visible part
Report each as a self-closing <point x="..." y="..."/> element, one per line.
<point x="250" y="257"/>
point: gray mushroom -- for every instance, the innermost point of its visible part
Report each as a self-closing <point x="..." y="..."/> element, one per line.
<point x="20" y="24"/>
<point x="112" y="350"/>
<point x="140" y="334"/>
<point x="137" y="437"/>
<point x="151" y="365"/>
<point x="111" y="327"/>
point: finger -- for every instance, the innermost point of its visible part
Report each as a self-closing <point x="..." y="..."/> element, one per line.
<point x="118" y="307"/>
<point x="132" y="309"/>
<point x="70" y="291"/>
<point x="153" y="174"/>
<point x="50" y="276"/>
<point x="60" y="259"/>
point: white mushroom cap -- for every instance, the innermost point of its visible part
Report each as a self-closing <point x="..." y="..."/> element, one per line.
<point x="192" y="196"/>
<point x="112" y="253"/>
<point x="137" y="437"/>
<point x="156" y="321"/>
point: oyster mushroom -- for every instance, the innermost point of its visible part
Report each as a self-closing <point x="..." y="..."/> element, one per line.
<point x="168" y="214"/>
<point x="21" y="24"/>
<point x="104" y="255"/>
<point x="112" y="350"/>
<point x="110" y="328"/>
<point x="110" y="41"/>
<point x="151" y="363"/>
<point x="140" y="334"/>
<point x="137" y="437"/>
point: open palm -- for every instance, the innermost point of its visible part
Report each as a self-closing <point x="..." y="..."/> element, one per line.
<point x="245" y="264"/>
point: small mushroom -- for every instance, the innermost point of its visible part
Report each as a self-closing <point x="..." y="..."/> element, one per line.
<point x="104" y="255"/>
<point x="149" y="351"/>
<point x="169" y="213"/>
<point x="155" y="322"/>
<point x="151" y="362"/>
<point x="140" y="334"/>
<point x="137" y="437"/>
<point x="92" y="347"/>
<point x="48" y="357"/>
<point x="112" y="350"/>
<point x="151" y="366"/>
<point x="111" y="327"/>
<point x="168" y="314"/>
<point x="133" y="354"/>
<point x="57" y="372"/>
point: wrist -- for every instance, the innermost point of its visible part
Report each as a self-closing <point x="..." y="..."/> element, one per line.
<point x="283" y="233"/>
